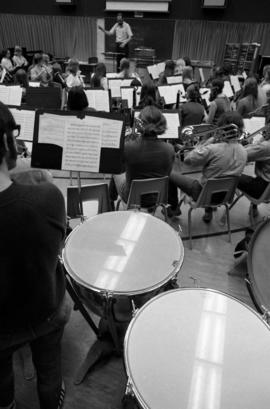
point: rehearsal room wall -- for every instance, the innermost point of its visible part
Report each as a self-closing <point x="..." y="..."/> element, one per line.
<point x="237" y="10"/>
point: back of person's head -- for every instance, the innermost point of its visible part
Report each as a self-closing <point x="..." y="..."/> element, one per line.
<point x="7" y="144"/>
<point x="135" y="83"/>
<point x="187" y="73"/>
<point x="77" y="99"/>
<point x="229" y="118"/>
<point x="148" y="95"/>
<point x="219" y="73"/>
<point x="95" y="81"/>
<point x="266" y="73"/>
<point x="124" y="64"/>
<point x="37" y="59"/>
<point x="21" y="78"/>
<point x="100" y="70"/>
<point x="169" y="67"/>
<point x="153" y="122"/>
<point x="187" y="61"/>
<point x="73" y="66"/>
<point x="56" y="68"/>
<point x="216" y="88"/>
<point x="193" y="93"/>
<point x="227" y="68"/>
<point x="250" y="88"/>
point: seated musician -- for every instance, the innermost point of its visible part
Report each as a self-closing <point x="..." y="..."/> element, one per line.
<point x="188" y="77"/>
<point x="248" y="101"/>
<point x="145" y="155"/>
<point x="168" y="72"/>
<point x="77" y="99"/>
<point x="192" y="112"/>
<point x="98" y="79"/>
<point x="224" y="158"/>
<point x="18" y="59"/>
<point x="260" y="154"/>
<point x="149" y="96"/>
<point x="33" y="308"/>
<point x="74" y="78"/>
<point x="219" y="102"/>
<point x="179" y="66"/>
<point x="38" y="71"/>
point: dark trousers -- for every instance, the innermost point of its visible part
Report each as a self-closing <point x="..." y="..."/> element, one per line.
<point x="253" y="186"/>
<point x="45" y="344"/>
<point x="186" y="184"/>
<point x="124" y="54"/>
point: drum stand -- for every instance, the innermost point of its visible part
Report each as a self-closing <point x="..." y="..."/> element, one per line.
<point x="108" y="341"/>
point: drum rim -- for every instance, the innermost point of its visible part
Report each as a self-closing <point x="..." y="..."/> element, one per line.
<point x="253" y="287"/>
<point x="154" y="287"/>
<point x="131" y="383"/>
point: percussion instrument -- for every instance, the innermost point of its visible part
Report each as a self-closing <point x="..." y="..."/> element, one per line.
<point x="198" y="348"/>
<point x="258" y="280"/>
<point x="123" y="259"/>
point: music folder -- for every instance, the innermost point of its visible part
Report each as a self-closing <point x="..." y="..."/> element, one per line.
<point x="173" y="123"/>
<point x="66" y="140"/>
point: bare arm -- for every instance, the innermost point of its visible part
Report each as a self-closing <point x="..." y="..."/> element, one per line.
<point x="106" y="32"/>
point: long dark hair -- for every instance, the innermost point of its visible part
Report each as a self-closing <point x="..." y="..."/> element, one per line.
<point x="77" y="99"/>
<point x="250" y="88"/>
<point x="217" y="87"/>
<point x="100" y="72"/>
<point x="193" y="93"/>
<point x="7" y="124"/>
<point x="148" y="95"/>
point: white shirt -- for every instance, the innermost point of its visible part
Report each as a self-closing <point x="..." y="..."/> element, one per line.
<point x="122" y="33"/>
<point x="74" y="81"/>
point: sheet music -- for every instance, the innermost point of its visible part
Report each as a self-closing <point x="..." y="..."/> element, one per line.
<point x="26" y="119"/>
<point x="176" y="79"/>
<point x="111" y="133"/>
<point x="205" y="94"/>
<point x="3" y="75"/>
<point x="153" y="70"/>
<point x="173" y="123"/>
<point x="115" y="86"/>
<point x="254" y="124"/>
<point x="98" y="99"/>
<point x="227" y="90"/>
<point x="126" y="82"/>
<point x="111" y="75"/>
<point x="52" y="129"/>
<point x="128" y="94"/>
<point x="161" y="67"/>
<point x="235" y="83"/>
<point x="11" y="95"/>
<point x="169" y="92"/>
<point x="34" y="84"/>
<point x="82" y="144"/>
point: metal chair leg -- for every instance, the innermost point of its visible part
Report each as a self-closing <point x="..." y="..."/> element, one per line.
<point x="236" y="200"/>
<point x="189" y="228"/>
<point x="165" y="212"/>
<point x="117" y="204"/>
<point x="251" y="215"/>
<point x="228" y="222"/>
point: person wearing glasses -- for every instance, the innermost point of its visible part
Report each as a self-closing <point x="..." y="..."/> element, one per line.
<point x="33" y="306"/>
<point x="123" y="35"/>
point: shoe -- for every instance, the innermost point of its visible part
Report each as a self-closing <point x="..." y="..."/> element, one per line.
<point x="173" y="212"/>
<point x="208" y="215"/>
<point x="61" y="396"/>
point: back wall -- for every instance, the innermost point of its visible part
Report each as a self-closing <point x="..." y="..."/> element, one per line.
<point x="237" y="10"/>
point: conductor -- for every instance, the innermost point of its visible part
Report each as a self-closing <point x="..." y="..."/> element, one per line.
<point x="123" y="35"/>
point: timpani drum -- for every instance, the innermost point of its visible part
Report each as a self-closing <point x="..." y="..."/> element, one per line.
<point x="258" y="268"/>
<point x="196" y="348"/>
<point x="128" y="256"/>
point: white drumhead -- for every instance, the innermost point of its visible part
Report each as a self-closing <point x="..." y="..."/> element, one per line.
<point x="198" y="349"/>
<point x="123" y="252"/>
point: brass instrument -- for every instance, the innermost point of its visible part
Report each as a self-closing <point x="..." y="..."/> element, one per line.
<point x="198" y="135"/>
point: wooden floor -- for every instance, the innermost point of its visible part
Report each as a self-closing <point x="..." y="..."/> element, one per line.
<point x="207" y="265"/>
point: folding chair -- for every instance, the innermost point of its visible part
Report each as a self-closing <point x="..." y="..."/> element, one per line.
<point x="76" y="198"/>
<point x="264" y="198"/>
<point x="157" y="191"/>
<point x="215" y="193"/>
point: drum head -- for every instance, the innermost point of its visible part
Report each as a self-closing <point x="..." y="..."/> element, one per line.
<point x="194" y="348"/>
<point x="259" y="266"/>
<point x="123" y="253"/>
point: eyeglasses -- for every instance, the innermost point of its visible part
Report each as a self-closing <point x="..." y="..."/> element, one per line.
<point x="16" y="131"/>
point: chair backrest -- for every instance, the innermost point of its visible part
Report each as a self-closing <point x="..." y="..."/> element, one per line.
<point x="89" y="193"/>
<point x="217" y="192"/>
<point x="148" y="192"/>
<point x="265" y="197"/>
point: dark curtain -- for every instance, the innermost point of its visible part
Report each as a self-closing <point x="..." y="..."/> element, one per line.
<point x="205" y="40"/>
<point x="63" y="36"/>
